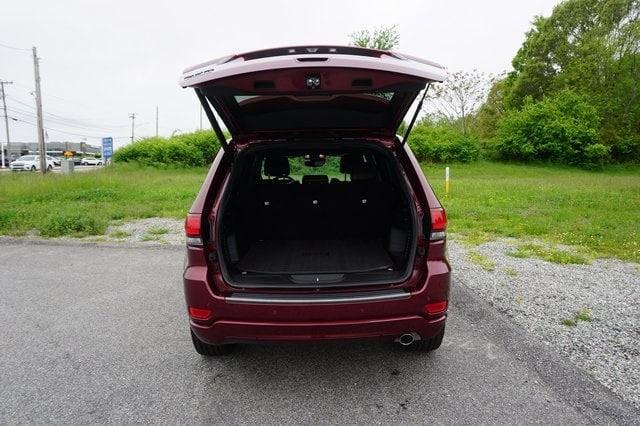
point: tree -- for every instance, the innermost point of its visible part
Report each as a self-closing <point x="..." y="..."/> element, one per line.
<point x="591" y="47"/>
<point x="460" y="96"/>
<point x="492" y="110"/>
<point x="383" y="38"/>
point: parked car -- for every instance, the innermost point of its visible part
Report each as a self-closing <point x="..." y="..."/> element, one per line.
<point x="54" y="160"/>
<point x="91" y="161"/>
<point x="29" y="162"/>
<point x="350" y="252"/>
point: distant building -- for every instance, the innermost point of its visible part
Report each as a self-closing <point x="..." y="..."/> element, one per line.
<point x="16" y="149"/>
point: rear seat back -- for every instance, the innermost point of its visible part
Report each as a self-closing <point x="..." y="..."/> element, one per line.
<point x="318" y="209"/>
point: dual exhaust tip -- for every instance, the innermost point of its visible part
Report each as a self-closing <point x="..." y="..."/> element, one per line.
<point x="408" y="338"/>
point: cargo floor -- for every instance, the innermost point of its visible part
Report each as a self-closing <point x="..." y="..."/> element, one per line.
<point x="315" y="256"/>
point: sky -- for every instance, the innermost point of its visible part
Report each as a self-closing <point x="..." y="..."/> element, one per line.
<point x="103" y="60"/>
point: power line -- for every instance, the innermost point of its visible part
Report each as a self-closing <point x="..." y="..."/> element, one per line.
<point x="31" y="114"/>
<point x="6" y="46"/>
<point x="69" y="118"/>
<point x="64" y="131"/>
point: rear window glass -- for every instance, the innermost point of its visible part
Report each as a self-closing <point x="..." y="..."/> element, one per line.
<point x="298" y="168"/>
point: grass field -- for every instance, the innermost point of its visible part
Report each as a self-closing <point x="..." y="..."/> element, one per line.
<point x="597" y="211"/>
<point x="84" y="203"/>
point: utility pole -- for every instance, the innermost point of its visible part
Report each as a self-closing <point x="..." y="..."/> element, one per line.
<point x="156" y="121"/>
<point x="132" y="116"/>
<point x="200" y="118"/>
<point x="43" y="152"/>
<point x="6" y="120"/>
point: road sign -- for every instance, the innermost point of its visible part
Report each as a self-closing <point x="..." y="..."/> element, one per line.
<point x="107" y="148"/>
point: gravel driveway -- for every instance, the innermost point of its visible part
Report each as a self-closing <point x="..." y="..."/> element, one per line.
<point x="112" y="346"/>
<point x="589" y="314"/>
<point x="543" y="296"/>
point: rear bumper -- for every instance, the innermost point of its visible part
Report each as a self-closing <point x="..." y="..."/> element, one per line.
<point x="246" y="317"/>
<point x="229" y="331"/>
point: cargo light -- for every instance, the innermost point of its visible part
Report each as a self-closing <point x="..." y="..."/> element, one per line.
<point x="199" y="313"/>
<point x="438" y="224"/>
<point x="192" y="229"/>
<point x="435" y="308"/>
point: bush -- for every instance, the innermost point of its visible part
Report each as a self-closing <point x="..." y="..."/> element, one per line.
<point x="441" y="143"/>
<point x="187" y="150"/>
<point x="76" y="223"/>
<point x="562" y="129"/>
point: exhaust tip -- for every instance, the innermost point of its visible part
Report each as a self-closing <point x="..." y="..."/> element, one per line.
<point x="406" y="339"/>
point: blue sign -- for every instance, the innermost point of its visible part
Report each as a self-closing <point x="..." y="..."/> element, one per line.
<point x="107" y="148"/>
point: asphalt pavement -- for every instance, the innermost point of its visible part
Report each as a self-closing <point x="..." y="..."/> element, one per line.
<point x="94" y="334"/>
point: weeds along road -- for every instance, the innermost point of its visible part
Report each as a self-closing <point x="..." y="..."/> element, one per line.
<point x="109" y="343"/>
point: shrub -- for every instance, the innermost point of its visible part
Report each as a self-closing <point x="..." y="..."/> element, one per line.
<point x="76" y="223"/>
<point x="187" y="150"/>
<point x="440" y="142"/>
<point x="562" y="129"/>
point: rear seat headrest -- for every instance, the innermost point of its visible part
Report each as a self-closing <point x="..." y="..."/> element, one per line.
<point x="354" y="165"/>
<point x="276" y="166"/>
<point x="363" y="172"/>
<point x="348" y="162"/>
<point x="315" y="179"/>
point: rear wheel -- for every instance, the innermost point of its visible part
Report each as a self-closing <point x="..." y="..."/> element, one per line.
<point x="427" y="345"/>
<point x="210" y="350"/>
<point x="33" y="168"/>
<point x="50" y="168"/>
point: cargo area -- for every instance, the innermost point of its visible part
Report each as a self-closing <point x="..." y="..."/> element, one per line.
<point x="313" y="217"/>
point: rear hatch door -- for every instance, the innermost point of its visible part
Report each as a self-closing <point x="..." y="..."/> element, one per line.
<point x="311" y="90"/>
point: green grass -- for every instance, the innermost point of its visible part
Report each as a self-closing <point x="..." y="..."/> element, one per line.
<point x="582" y="314"/>
<point x="157" y="231"/>
<point x="550" y="254"/>
<point x="150" y="237"/>
<point x="120" y="234"/>
<point x="510" y="271"/>
<point x="596" y="210"/>
<point x="481" y="260"/>
<point x="85" y="203"/>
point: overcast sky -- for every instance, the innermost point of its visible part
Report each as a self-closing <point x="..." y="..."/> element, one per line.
<point x="101" y="60"/>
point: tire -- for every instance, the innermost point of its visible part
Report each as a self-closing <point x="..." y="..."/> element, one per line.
<point x="33" y="168"/>
<point x="206" y="349"/>
<point x="99" y="163"/>
<point x="427" y="345"/>
<point x="50" y="168"/>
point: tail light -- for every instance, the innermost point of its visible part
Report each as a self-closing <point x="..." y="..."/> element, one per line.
<point x="438" y="224"/>
<point x="199" y="313"/>
<point x="192" y="229"/>
<point x="435" y="308"/>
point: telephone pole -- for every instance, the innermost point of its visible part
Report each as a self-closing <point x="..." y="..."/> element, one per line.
<point x="43" y="152"/>
<point x="156" y="121"/>
<point x="6" y="120"/>
<point x="201" y="118"/>
<point x="132" y="116"/>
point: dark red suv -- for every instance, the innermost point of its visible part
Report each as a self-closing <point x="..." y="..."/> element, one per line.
<point x="315" y="221"/>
